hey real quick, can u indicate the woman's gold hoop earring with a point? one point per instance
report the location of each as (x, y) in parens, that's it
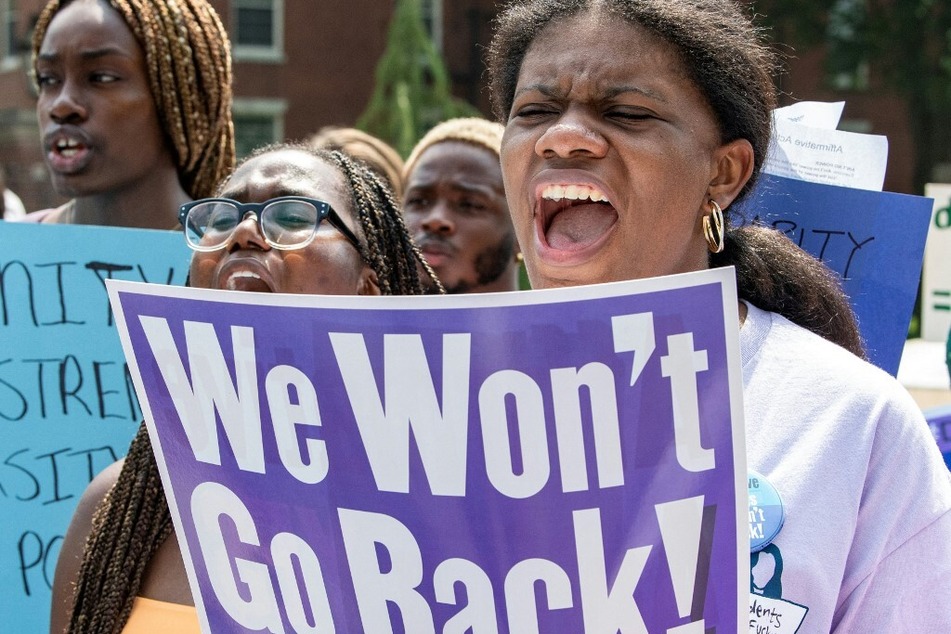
(713, 228)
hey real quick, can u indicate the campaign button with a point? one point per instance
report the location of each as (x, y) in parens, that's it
(766, 511)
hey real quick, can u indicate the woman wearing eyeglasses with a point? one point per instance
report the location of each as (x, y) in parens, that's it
(289, 220)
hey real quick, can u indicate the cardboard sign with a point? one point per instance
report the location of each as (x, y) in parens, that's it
(68, 407)
(873, 240)
(552, 461)
(936, 278)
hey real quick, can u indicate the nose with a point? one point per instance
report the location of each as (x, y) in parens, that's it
(247, 235)
(572, 135)
(67, 104)
(438, 220)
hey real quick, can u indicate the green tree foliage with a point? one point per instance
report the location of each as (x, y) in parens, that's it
(412, 92)
(904, 46)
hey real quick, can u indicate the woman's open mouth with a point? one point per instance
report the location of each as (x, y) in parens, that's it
(573, 217)
(67, 153)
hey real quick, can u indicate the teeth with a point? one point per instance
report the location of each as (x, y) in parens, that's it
(67, 148)
(232, 283)
(573, 192)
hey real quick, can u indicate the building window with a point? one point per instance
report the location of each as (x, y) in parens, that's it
(258, 30)
(9, 41)
(257, 122)
(432, 20)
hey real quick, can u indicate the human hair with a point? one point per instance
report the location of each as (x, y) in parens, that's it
(472, 130)
(389, 249)
(133, 519)
(188, 57)
(730, 63)
(366, 148)
(129, 525)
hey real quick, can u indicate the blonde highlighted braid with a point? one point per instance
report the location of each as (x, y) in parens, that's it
(188, 57)
(133, 520)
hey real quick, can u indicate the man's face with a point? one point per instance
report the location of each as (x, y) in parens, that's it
(456, 211)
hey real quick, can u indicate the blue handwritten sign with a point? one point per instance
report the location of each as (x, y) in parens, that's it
(874, 241)
(67, 404)
(555, 461)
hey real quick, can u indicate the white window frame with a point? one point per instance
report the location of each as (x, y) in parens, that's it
(268, 54)
(8, 11)
(275, 109)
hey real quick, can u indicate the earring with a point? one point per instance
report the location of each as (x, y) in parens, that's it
(713, 228)
(519, 257)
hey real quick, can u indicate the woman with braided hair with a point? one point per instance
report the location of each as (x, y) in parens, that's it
(632, 127)
(134, 108)
(120, 568)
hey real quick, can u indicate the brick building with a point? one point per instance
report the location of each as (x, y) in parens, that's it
(298, 65)
(303, 64)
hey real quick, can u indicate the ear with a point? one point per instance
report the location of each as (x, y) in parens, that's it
(368, 284)
(732, 168)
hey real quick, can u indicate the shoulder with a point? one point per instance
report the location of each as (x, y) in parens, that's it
(792, 358)
(71, 553)
(35, 216)
(45, 216)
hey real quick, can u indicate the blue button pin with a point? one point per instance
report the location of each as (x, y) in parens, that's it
(767, 513)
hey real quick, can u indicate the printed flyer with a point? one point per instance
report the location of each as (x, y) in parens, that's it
(546, 461)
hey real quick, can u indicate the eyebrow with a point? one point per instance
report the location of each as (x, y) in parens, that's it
(91, 54)
(477, 188)
(610, 93)
(238, 194)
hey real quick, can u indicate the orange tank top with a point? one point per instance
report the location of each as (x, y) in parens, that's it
(149, 616)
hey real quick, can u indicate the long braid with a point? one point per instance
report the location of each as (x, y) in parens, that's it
(389, 249)
(130, 524)
(188, 57)
(133, 520)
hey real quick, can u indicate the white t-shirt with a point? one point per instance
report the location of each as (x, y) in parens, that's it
(13, 206)
(866, 544)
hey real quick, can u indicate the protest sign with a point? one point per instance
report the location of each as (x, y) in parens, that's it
(936, 278)
(556, 461)
(67, 405)
(939, 420)
(873, 240)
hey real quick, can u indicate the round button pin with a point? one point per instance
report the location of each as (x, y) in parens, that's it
(766, 511)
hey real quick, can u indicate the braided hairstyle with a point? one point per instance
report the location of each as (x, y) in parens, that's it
(188, 57)
(729, 62)
(388, 250)
(373, 152)
(133, 519)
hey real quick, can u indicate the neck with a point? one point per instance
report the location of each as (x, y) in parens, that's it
(152, 205)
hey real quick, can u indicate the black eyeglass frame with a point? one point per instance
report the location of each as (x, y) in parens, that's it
(324, 212)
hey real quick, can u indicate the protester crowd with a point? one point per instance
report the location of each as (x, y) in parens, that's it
(626, 132)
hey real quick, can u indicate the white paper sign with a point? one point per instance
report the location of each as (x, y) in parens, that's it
(832, 157)
(817, 114)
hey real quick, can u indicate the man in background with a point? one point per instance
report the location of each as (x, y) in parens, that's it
(455, 208)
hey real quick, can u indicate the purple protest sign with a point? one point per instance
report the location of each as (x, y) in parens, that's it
(551, 461)
(939, 420)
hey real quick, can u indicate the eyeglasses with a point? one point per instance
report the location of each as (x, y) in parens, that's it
(288, 222)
